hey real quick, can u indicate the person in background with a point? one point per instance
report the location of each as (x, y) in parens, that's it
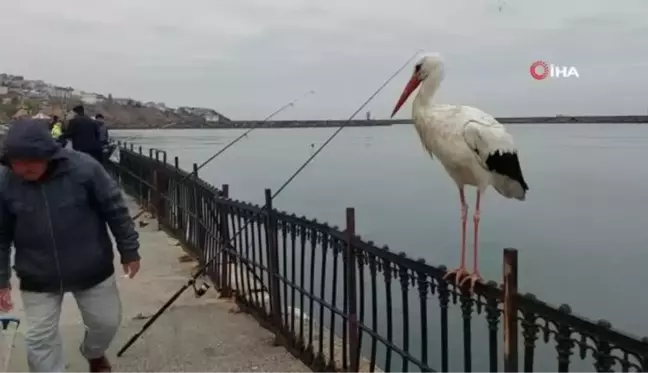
(54, 119)
(55, 207)
(106, 148)
(56, 128)
(103, 130)
(84, 131)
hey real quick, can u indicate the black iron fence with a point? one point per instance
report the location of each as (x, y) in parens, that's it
(343, 303)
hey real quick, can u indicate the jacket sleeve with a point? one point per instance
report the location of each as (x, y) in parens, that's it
(6, 239)
(112, 207)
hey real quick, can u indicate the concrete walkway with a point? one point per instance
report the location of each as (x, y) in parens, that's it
(193, 335)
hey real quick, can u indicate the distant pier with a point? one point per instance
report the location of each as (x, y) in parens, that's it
(390, 122)
(611, 119)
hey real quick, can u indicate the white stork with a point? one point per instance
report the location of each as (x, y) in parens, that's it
(471, 145)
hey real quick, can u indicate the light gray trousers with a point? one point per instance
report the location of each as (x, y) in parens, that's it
(100, 308)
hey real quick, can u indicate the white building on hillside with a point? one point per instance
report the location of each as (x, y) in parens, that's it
(212, 117)
(90, 98)
(58, 92)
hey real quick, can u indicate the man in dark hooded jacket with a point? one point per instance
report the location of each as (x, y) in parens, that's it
(54, 207)
(85, 134)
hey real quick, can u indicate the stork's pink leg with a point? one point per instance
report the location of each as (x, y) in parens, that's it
(475, 276)
(464, 219)
(461, 272)
(476, 242)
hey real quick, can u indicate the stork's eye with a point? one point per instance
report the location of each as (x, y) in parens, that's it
(417, 68)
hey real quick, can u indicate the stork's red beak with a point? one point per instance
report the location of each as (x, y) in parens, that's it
(409, 88)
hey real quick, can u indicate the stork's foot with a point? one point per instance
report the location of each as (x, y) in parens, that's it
(458, 274)
(462, 277)
(473, 278)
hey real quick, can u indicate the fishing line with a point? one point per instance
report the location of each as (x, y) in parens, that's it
(201, 271)
(135, 137)
(284, 107)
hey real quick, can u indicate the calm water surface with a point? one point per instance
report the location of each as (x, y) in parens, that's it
(582, 233)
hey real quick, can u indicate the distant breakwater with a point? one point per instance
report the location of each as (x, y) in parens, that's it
(389, 122)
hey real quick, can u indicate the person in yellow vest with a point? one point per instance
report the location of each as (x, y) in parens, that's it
(56, 128)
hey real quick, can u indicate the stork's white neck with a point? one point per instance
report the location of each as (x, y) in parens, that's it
(426, 92)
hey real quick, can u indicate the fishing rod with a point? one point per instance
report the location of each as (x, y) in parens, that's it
(191, 281)
(131, 138)
(284, 107)
(138, 136)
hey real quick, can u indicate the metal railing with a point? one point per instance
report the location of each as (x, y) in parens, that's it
(343, 303)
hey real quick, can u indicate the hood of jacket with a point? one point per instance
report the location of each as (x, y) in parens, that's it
(29, 139)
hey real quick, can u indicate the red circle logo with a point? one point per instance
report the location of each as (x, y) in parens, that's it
(539, 70)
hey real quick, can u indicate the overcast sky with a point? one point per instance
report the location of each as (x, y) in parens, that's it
(245, 58)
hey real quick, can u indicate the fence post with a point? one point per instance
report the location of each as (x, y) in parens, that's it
(273, 265)
(200, 214)
(155, 203)
(510, 274)
(225, 289)
(162, 187)
(176, 187)
(193, 212)
(140, 186)
(352, 317)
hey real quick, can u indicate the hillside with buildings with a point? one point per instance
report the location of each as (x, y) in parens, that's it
(23, 97)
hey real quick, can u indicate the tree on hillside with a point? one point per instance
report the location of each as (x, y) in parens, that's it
(32, 107)
(6, 111)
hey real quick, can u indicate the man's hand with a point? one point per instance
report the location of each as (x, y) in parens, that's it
(6, 304)
(131, 268)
